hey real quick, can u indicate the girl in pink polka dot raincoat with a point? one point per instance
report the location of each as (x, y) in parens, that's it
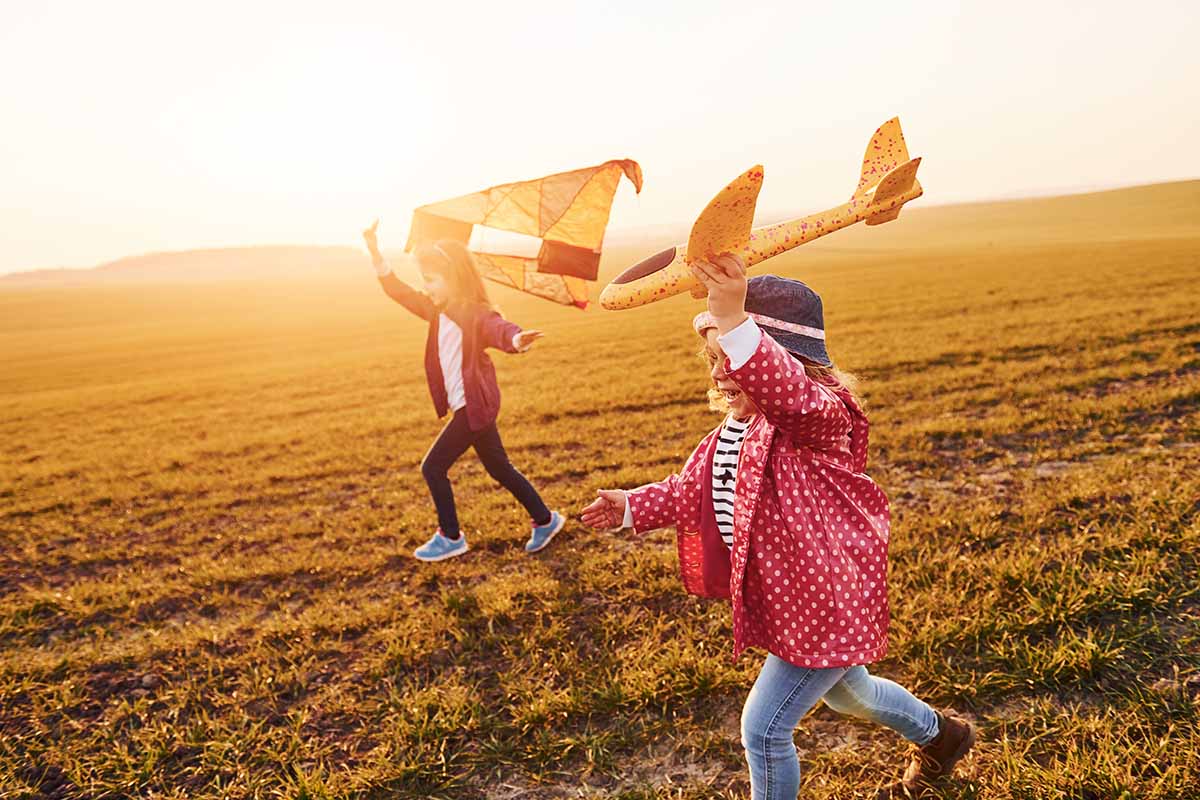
(774, 511)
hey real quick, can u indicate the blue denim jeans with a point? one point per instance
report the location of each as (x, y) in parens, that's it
(784, 693)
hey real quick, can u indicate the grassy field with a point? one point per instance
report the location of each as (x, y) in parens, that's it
(209, 495)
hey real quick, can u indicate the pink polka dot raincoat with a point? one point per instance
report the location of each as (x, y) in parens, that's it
(808, 568)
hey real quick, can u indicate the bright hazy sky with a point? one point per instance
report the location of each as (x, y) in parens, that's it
(130, 127)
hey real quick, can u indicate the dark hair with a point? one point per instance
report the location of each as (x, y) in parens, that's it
(454, 262)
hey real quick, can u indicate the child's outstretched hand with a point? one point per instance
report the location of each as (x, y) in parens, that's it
(371, 239)
(725, 278)
(525, 339)
(606, 512)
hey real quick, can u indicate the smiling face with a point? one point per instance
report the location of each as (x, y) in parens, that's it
(436, 286)
(449, 274)
(740, 405)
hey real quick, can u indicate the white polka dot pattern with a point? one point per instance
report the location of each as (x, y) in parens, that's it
(809, 559)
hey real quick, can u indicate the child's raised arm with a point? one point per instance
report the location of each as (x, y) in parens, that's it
(781, 389)
(395, 288)
(767, 373)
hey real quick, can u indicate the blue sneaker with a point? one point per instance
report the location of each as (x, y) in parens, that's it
(542, 534)
(439, 548)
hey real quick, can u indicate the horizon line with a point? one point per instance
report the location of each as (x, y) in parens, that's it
(1040, 194)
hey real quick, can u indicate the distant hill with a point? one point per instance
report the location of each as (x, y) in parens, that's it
(205, 266)
(1153, 211)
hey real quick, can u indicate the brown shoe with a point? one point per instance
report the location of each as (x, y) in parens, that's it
(933, 762)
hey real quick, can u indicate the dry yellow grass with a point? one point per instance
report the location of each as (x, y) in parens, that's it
(209, 495)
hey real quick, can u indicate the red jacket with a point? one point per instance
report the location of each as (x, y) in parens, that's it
(482, 328)
(808, 568)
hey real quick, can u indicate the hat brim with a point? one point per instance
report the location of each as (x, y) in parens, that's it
(797, 344)
(702, 322)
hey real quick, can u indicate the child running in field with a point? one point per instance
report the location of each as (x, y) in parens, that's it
(773, 511)
(462, 381)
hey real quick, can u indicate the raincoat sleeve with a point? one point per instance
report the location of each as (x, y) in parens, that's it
(782, 391)
(407, 296)
(673, 501)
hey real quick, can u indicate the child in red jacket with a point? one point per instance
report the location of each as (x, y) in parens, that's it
(780, 484)
(462, 380)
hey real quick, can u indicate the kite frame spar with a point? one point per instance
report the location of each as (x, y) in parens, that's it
(568, 211)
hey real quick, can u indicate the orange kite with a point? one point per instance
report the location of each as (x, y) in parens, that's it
(568, 211)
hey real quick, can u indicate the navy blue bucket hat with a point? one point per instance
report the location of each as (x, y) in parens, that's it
(786, 309)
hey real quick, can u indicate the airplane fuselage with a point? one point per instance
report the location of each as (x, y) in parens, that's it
(674, 275)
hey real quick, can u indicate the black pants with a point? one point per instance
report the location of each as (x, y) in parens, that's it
(451, 443)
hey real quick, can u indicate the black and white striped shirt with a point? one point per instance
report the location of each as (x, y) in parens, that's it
(725, 463)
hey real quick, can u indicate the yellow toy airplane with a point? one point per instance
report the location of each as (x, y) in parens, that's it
(887, 182)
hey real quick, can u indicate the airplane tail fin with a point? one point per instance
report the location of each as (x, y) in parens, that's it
(885, 152)
(888, 178)
(897, 188)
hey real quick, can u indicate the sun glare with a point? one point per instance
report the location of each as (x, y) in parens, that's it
(311, 125)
